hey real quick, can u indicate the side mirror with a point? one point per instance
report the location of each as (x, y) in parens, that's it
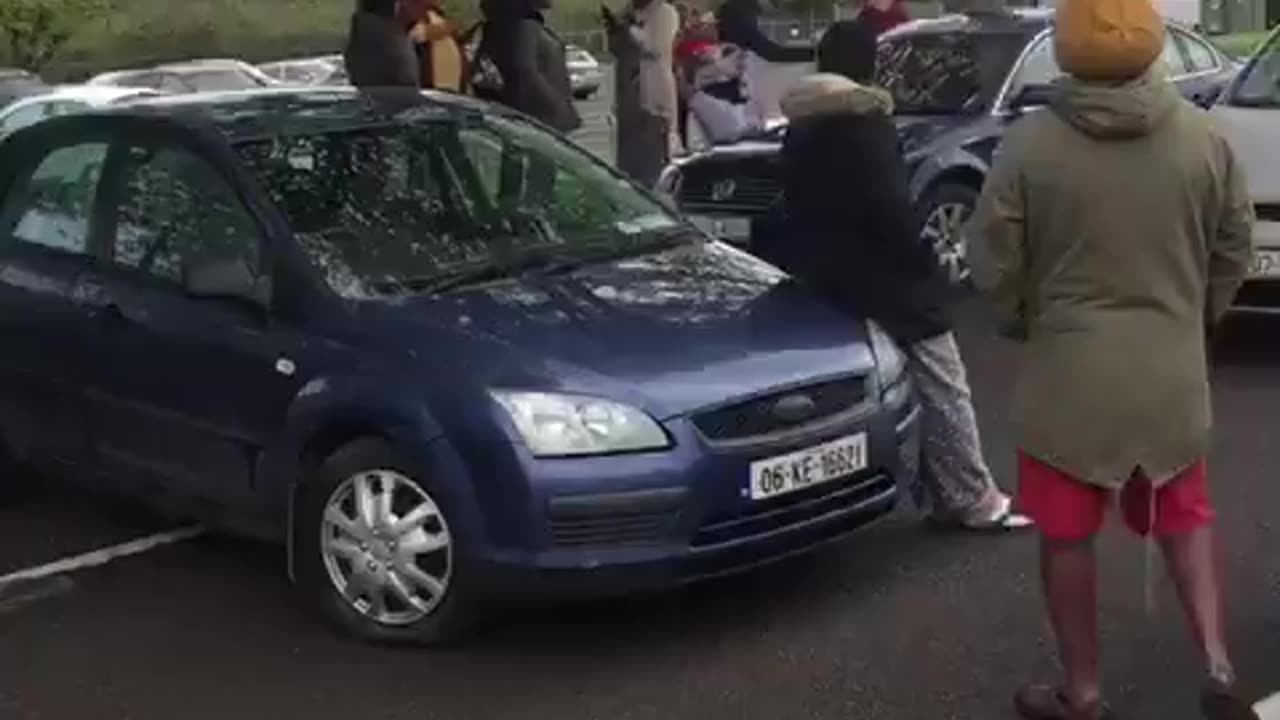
(1031, 95)
(221, 278)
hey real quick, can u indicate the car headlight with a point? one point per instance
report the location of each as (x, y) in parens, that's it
(890, 361)
(557, 425)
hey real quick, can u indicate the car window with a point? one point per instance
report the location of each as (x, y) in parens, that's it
(393, 210)
(1040, 66)
(1259, 83)
(220, 80)
(175, 208)
(1200, 58)
(1174, 61)
(52, 206)
(946, 73)
(19, 118)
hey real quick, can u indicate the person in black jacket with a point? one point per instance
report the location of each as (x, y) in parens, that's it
(379, 53)
(531, 61)
(846, 227)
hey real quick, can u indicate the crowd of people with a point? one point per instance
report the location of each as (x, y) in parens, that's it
(1112, 233)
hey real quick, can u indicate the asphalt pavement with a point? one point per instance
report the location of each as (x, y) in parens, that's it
(898, 623)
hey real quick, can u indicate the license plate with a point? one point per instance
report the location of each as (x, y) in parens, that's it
(796, 471)
(733, 229)
(1266, 264)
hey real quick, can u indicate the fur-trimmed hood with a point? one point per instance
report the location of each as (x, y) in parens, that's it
(830, 94)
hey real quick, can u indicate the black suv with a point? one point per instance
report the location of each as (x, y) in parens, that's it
(958, 81)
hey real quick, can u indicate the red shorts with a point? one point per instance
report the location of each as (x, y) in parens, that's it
(1068, 509)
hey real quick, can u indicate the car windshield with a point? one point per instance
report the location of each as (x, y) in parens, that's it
(946, 73)
(422, 206)
(1259, 84)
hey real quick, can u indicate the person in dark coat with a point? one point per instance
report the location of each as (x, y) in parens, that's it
(846, 228)
(531, 61)
(379, 52)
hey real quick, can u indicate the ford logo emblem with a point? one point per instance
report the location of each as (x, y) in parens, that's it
(723, 190)
(794, 408)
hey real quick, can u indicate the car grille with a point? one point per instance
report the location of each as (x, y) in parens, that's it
(641, 518)
(1269, 212)
(756, 417)
(742, 185)
(809, 504)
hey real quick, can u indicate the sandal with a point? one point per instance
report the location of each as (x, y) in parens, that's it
(1043, 702)
(1006, 520)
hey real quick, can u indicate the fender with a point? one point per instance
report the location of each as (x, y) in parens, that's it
(360, 402)
(935, 166)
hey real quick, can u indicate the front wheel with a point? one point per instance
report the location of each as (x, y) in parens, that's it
(377, 552)
(947, 210)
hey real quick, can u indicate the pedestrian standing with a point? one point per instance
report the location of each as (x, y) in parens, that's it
(530, 61)
(846, 228)
(435, 39)
(642, 40)
(379, 53)
(739, 24)
(1114, 228)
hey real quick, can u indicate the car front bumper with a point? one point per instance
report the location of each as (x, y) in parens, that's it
(1261, 292)
(672, 526)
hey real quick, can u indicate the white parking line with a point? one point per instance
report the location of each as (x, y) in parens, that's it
(98, 557)
(1269, 709)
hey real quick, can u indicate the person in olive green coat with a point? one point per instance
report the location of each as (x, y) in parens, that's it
(1113, 232)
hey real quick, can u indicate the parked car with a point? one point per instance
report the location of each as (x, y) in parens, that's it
(61, 101)
(958, 82)
(584, 72)
(352, 324)
(1249, 112)
(16, 84)
(191, 76)
(326, 70)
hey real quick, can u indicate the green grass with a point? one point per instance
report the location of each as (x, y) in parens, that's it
(1240, 45)
(142, 32)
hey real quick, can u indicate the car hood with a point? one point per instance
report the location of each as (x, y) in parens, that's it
(670, 332)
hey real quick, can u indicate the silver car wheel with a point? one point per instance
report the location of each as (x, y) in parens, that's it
(387, 547)
(943, 231)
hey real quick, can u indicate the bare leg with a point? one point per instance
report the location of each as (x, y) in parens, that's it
(1192, 561)
(1069, 573)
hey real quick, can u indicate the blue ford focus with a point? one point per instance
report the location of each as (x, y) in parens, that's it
(441, 353)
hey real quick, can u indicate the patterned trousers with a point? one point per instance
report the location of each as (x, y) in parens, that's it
(953, 481)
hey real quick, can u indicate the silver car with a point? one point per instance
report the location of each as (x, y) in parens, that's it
(62, 101)
(585, 75)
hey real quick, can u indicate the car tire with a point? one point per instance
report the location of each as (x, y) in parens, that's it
(324, 570)
(946, 208)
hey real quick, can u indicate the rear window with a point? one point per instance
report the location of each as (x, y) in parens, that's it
(946, 73)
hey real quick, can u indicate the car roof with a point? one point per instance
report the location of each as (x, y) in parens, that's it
(248, 115)
(1019, 21)
(92, 94)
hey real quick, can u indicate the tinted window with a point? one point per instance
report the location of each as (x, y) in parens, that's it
(1259, 84)
(18, 118)
(397, 209)
(176, 208)
(52, 206)
(1200, 58)
(931, 73)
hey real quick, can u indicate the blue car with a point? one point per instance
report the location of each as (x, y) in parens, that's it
(442, 353)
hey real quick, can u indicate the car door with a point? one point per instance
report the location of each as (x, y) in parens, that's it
(188, 389)
(1202, 78)
(49, 193)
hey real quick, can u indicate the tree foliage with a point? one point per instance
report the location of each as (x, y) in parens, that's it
(36, 30)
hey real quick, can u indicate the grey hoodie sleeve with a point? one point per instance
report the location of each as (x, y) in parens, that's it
(1231, 248)
(997, 239)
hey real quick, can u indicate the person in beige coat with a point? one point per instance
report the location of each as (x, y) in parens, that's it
(1113, 233)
